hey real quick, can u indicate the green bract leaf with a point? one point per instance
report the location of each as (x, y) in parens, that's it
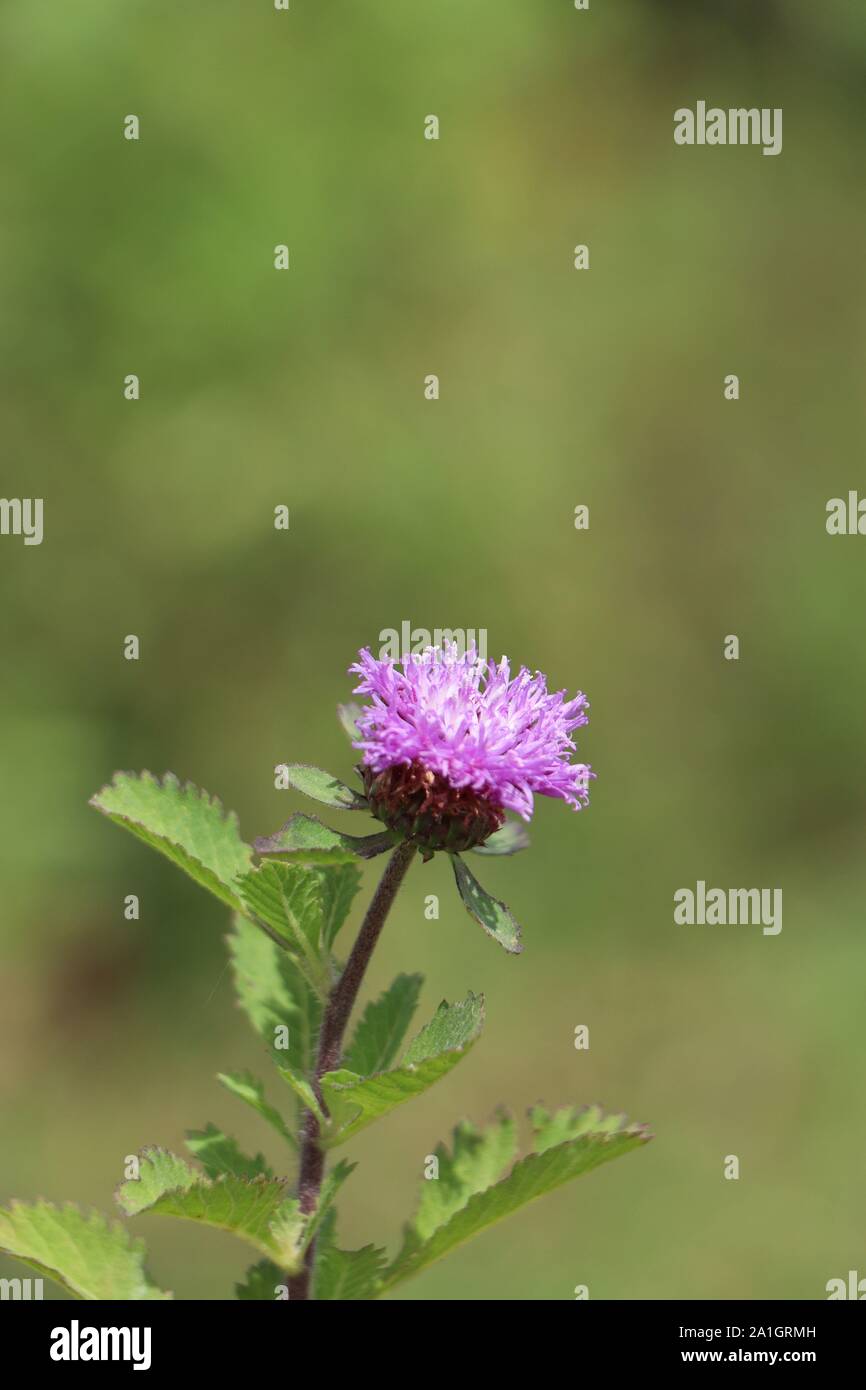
(383, 1026)
(259, 1211)
(248, 1089)
(275, 996)
(489, 912)
(218, 1153)
(321, 786)
(187, 825)
(512, 837)
(353, 1101)
(263, 1282)
(85, 1254)
(468, 1211)
(307, 839)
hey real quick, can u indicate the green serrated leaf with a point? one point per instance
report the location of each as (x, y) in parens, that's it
(257, 1210)
(570, 1123)
(489, 912)
(345, 1275)
(218, 1153)
(305, 838)
(348, 717)
(84, 1253)
(331, 1185)
(338, 884)
(263, 1282)
(287, 898)
(478, 1159)
(185, 824)
(509, 840)
(251, 1091)
(530, 1178)
(275, 996)
(321, 786)
(353, 1101)
(383, 1026)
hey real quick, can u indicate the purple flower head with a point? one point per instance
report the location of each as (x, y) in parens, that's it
(471, 724)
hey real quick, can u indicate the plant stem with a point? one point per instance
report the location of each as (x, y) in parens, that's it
(338, 1009)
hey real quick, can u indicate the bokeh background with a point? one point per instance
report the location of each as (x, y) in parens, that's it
(558, 388)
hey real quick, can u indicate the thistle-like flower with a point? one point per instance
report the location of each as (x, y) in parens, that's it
(450, 743)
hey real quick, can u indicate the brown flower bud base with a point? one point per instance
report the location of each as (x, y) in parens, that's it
(423, 807)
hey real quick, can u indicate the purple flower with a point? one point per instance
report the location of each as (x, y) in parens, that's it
(472, 725)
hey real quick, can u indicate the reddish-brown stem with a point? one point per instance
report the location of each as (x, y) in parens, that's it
(338, 1009)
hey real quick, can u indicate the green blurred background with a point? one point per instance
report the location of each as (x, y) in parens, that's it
(306, 388)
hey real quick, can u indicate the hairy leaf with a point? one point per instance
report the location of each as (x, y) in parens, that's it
(354, 1101)
(489, 912)
(287, 898)
(305, 838)
(383, 1026)
(348, 717)
(258, 1210)
(321, 786)
(251, 1091)
(425, 1241)
(263, 1282)
(185, 824)
(275, 995)
(218, 1153)
(84, 1253)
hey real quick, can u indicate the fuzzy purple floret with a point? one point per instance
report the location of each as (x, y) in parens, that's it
(469, 721)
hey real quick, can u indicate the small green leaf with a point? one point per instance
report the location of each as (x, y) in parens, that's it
(383, 1026)
(345, 1275)
(275, 995)
(479, 1158)
(304, 1091)
(251, 1091)
(258, 1210)
(321, 786)
(489, 912)
(263, 1282)
(338, 885)
(84, 1253)
(307, 839)
(185, 824)
(287, 898)
(348, 717)
(218, 1153)
(541, 1172)
(353, 1101)
(512, 837)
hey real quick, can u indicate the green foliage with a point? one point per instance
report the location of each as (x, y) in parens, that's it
(354, 1101)
(345, 1275)
(86, 1255)
(261, 1282)
(466, 1207)
(305, 838)
(489, 912)
(251, 1091)
(258, 1210)
(321, 786)
(274, 995)
(218, 1153)
(185, 824)
(383, 1026)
